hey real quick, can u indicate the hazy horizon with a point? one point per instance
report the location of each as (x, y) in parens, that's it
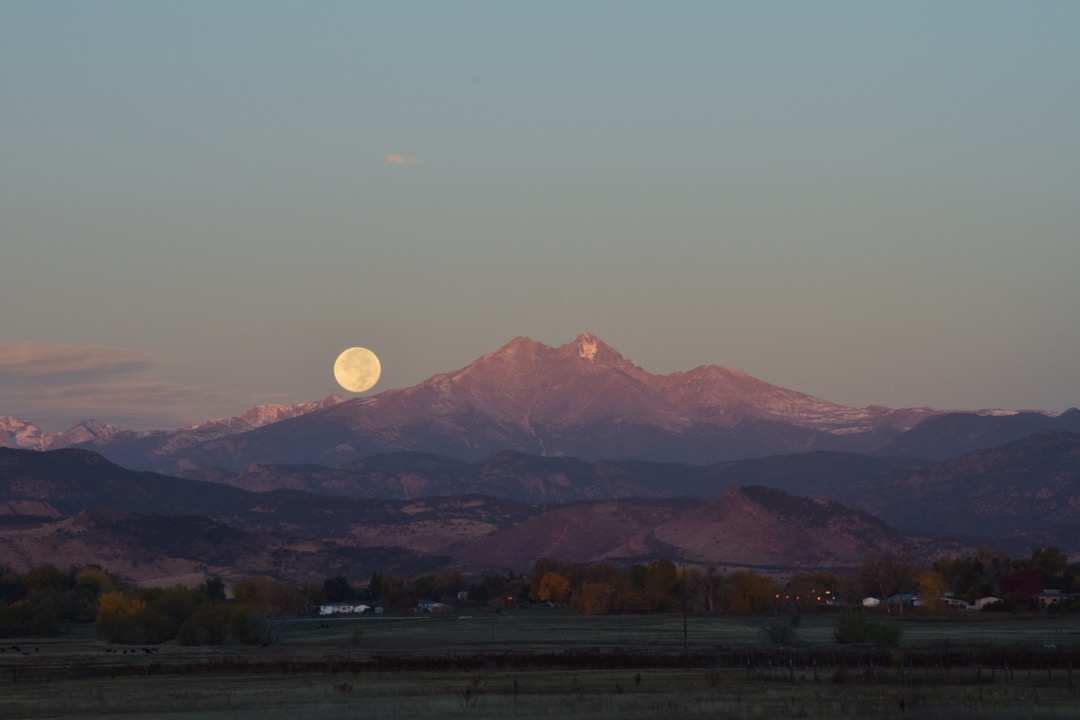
(202, 204)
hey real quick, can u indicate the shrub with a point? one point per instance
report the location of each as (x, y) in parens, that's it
(781, 632)
(27, 619)
(856, 628)
(209, 625)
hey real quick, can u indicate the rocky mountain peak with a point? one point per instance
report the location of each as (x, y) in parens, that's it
(16, 433)
(524, 359)
(84, 432)
(266, 414)
(588, 346)
(592, 350)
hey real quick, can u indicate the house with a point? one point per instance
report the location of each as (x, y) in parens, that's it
(982, 602)
(1051, 597)
(906, 599)
(955, 603)
(431, 606)
(343, 609)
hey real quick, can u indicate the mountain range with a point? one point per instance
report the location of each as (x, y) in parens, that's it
(72, 506)
(532, 450)
(582, 400)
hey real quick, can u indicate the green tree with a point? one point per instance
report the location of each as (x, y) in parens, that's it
(208, 625)
(177, 602)
(269, 603)
(425, 587)
(27, 619)
(1052, 563)
(45, 579)
(375, 589)
(337, 589)
(638, 575)
(214, 589)
(661, 585)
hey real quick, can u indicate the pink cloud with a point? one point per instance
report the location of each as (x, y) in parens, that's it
(57, 386)
(37, 360)
(129, 402)
(397, 159)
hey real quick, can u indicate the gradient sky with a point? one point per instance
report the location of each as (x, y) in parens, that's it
(202, 203)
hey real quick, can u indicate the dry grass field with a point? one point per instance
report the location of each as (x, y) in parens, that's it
(549, 664)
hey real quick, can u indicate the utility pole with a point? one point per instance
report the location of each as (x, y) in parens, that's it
(684, 595)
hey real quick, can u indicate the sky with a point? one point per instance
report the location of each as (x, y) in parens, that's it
(203, 203)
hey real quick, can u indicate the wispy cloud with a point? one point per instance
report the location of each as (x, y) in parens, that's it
(396, 159)
(35, 360)
(57, 386)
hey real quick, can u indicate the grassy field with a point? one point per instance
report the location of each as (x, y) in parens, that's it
(551, 664)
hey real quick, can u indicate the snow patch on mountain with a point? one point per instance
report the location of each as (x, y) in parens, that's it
(587, 347)
(20, 434)
(85, 431)
(266, 414)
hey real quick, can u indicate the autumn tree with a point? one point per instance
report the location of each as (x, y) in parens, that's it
(553, 588)
(747, 591)
(118, 604)
(662, 585)
(267, 602)
(931, 587)
(541, 567)
(118, 618)
(597, 598)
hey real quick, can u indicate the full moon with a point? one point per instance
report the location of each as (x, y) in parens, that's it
(357, 369)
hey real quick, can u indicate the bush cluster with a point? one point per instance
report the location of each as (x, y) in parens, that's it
(857, 629)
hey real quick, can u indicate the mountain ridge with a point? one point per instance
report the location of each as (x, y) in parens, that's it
(581, 399)
(154, 527)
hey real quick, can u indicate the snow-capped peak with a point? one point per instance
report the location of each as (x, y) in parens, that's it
(588, 345)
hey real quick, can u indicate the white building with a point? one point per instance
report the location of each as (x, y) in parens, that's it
(343, 609)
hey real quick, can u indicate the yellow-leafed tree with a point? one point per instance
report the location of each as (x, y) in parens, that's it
(117, 604)
(554, 588)
(932, 588)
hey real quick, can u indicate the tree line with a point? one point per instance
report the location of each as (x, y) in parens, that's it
(46, 601)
